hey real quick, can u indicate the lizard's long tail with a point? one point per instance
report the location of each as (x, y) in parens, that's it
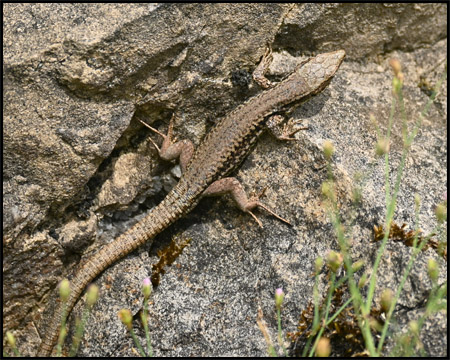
(164, 214)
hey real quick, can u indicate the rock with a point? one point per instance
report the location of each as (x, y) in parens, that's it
(79, 169)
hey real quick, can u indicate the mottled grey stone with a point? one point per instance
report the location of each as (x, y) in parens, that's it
(78, 168)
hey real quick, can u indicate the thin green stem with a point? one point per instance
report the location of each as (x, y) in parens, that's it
(138, 344)
(316, 318)
(147, 332)
(62, 331)
(327, 311)
(280, 333)
(79, 332)
(391, 204)
(336, 314)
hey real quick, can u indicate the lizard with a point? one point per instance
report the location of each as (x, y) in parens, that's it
(205, 169)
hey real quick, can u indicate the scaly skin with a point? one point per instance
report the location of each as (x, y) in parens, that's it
(222, 150)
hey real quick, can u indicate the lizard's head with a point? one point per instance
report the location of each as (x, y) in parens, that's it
(319, 70)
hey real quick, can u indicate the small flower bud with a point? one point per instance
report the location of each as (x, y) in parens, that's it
(433, 270)
(126, 317)
(414, 327)
(417, 200)
(92, 295)
(327, 189)
(405, 340)
(64, 290)
(357, 265)
(358, 177)
(11, 339)
(146, 288)
(323, 348)
(362, 281)
(328, 149)
(396, 66)
(375, 325)
(441, 213)
(382, 147)
(334, 260)
(397, 82)
(318, 264)
(279, 297)
(386, 300)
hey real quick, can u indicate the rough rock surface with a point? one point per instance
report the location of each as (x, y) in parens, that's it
(78, 168)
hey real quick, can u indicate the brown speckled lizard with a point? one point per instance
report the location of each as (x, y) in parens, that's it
(204, 171)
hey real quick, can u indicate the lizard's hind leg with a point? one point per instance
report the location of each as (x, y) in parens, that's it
(172, 150)
(233, 187)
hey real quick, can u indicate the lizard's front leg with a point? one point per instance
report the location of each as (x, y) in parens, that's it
(183, 149)
(232, 186)
(286, 132)
(262, 68)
